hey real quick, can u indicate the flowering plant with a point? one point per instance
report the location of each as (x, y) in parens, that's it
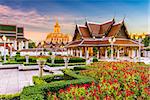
(114, 80)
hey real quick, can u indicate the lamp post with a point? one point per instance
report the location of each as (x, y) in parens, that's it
(139, 38)
(10, 45)
(112, 40)
(66, 60)
(4, 39)
(36, 45)
(42, 43)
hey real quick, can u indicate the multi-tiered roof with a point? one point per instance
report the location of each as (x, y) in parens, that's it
(98, 34)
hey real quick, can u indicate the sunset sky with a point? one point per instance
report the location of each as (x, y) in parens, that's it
(38, 16)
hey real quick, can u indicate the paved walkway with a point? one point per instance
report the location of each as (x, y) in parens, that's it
(12, 80)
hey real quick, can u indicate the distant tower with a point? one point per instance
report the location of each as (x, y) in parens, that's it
(57, 27)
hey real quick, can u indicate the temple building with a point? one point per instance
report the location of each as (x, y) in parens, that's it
(56, 39)
(103, 40)
(14, 37)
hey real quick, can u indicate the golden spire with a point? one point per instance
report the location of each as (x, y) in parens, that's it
(57, 27)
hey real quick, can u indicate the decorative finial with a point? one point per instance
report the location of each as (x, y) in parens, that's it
(114, 15)
(124, 18)
(85, 19)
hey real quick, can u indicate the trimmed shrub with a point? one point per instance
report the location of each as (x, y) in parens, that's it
(95, 59)
(37, 80)
(38, 92)
(28, 64)
(80, 68)
(11, 62)
(45, 79)
(23, 59)
(10, 97)
(59, 60)
(76, 60)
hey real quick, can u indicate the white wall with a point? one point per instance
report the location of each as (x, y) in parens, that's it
(2, 50)
(32, 53)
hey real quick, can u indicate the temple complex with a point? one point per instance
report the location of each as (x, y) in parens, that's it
(56, 39)
(103, 40)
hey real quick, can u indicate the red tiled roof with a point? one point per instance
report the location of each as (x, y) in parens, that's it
(98, 29)
(105, 42)
(85, 32)
(114, 30)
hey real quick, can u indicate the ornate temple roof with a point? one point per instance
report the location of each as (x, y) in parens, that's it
(96, 34)
(56, 36)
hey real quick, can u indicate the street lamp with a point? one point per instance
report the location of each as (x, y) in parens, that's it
(139, 38)
(4, 39)
(112, 40)
(36, 45)
(42, 44)
(10, 45)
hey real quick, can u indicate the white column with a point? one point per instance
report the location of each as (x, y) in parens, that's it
(77, 52)
(106, 53)
(19, 46)
(4, 51)
(137, 53)
(87, 54)
(72, 52)
(15, 45)
(22, 45)
(80, 52)
(98, 53)
(26, 45)
(118, 54)
(112, 55)
(68, 51)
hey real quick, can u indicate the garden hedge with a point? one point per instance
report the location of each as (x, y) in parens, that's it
(72, 60)
(10, 97)
(62, 64)
(23, 59)
(80, 68)
(38, 91)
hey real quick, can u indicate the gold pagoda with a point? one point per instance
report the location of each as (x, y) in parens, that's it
(57, 37)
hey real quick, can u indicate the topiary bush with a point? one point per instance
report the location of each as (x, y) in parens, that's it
(39, 91)
(95, 59)
(76, 60)
(10, 97)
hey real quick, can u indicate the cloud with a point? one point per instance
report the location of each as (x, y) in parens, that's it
(35, 23)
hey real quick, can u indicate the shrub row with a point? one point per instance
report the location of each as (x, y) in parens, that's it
(45, 79)
(69, 64)
(10, 97)
(39, 91)
(95, 59)
(23, 59)
(80, 68)
(11, 62)
(30, 63)
(72, 60)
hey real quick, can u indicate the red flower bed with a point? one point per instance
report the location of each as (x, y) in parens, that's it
(115, 80)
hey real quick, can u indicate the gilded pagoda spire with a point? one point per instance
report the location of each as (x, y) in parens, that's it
(56, 27)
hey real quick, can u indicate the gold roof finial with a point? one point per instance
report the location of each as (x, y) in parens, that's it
(56, 26)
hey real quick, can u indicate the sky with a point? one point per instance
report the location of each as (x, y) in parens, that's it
(38, 16)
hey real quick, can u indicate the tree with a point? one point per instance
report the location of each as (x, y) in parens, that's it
(146, 41)
(32, 45)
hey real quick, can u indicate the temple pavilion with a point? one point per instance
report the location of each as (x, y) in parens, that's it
(55, 40)
(103, 40)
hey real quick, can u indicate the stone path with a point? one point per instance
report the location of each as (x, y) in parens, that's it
(12, 80)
